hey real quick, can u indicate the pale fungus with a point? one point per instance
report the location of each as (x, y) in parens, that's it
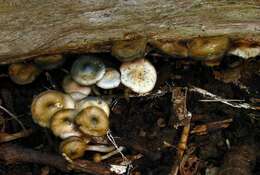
(98, 157)
(92, 121)
(49, 61)
(110, 80)
(23, 73)
(139, 75)
(87, 70)
(47, 103)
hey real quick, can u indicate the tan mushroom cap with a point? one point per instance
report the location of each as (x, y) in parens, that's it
(62, 123)
(93, 101)
(139, 75)
(76, 90)
(48, 62)
(47, 103)
(92, 121)
(110, 80)
(73, 147)
(23, 73)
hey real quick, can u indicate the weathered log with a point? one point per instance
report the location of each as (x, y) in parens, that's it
(37, 27)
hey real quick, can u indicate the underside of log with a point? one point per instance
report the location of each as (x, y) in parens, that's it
(37, 27)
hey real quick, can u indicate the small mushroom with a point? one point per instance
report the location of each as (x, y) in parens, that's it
(92, 121)
(110, 80)
(77, 91)
(47, 103)
(208, 48)
(139, 75)
(98, 157)
(49, 61)
(23, 73)
(87, 70)
(75, 147)
(129, 50)
(62, 124)
(93, 101)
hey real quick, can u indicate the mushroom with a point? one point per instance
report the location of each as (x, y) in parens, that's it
(87, 70)
(129, 50)
(208, 48)
(139, 75)
(93, 101)
(98, 157)
(110, 80)
(49, 62)
(23, 73)
(92, 121)
(75, 147)
(77, 91)
(62, 124)
(47, 103)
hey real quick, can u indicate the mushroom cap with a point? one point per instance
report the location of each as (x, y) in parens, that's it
(87, 70)
(23, 73)
(73, 147)
(139, 75)
(110, 80)
(47, 103)
(62, 123)
(208, 48)
(76, 90)
(49, 61)
(129, 50)
(92, 121)
(93, 101)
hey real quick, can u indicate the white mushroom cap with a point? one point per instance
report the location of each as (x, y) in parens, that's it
(87, 70)
(110, 80)
(76, 90)
(93, 101)
(139, 75)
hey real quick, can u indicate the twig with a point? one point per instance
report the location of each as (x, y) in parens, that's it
(5, 137)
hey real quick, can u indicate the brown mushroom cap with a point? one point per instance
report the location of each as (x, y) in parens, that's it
(23, 73)
(139, 75)
(92, 121)
(49, 61)
(73, 147)
(62, 123)
(47, 103)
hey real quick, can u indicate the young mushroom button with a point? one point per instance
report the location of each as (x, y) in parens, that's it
(87, 70)
(139, 75)
(110, 80)
(47, 103)
(49, 62)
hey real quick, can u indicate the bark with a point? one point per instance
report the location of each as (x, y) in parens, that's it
(36, 27)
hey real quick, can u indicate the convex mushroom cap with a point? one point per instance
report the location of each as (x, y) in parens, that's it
(49, 61)
(93, 101)
(129, 50)
(92, 121)
(76, 90)
(87, 70)
(110, 80)
(62, 123)
(23, 73)
(47, 103)
(139, 75)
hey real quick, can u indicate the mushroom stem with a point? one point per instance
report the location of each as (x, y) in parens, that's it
(100, 148)
(98, 157)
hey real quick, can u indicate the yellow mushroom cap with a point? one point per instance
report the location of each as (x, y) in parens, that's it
(47, 103)
(49, 61)
(62, 123)
(139, 75)
(129, 50)
(208, 48)
(23, 73)
(93, 101)
(76, 90)
(73, 147)
(92, 121)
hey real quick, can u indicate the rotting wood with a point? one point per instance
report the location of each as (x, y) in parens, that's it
(37, 27)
